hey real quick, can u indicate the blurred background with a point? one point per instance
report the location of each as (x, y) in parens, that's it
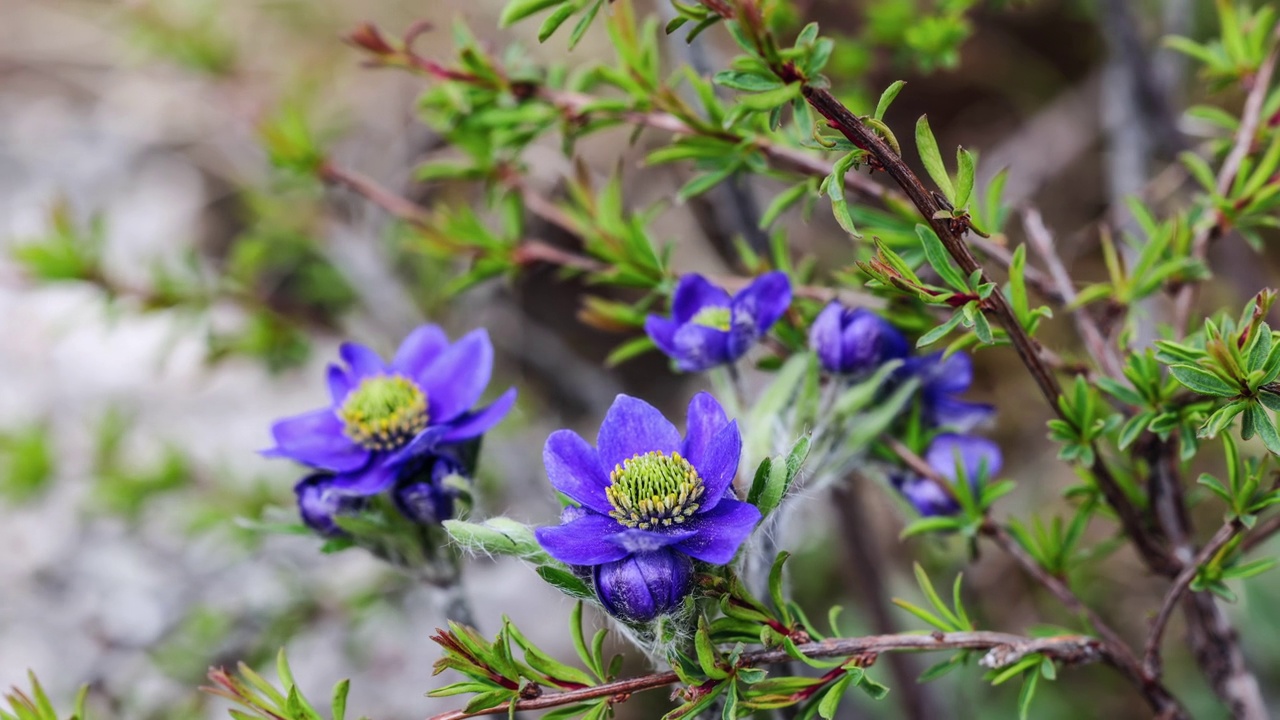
(164, 296)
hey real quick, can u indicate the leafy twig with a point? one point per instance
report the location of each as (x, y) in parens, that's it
(1003, 649)
(1250, 119)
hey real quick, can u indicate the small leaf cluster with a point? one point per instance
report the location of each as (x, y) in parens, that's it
(258, 698)
(1236, 364)
(1084, 421)
(714, 676)
(1161, 260)
(975, 496)
(496, 675)
(1250, 487)
(1239, 47)
(19, 705)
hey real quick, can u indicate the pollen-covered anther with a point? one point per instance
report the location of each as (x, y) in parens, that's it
(653, 490)
(716, 317)
(384, 412)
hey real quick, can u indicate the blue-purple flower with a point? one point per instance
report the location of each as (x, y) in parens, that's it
(707, 327)
(423, 493)
(854, 341)
(942, 381)
(947, 455)
(649, 502)
(319, 503)
(382, 415)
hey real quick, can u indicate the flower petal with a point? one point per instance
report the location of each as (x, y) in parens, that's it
(363, 361)
(472, 424)
(631, 427)
(375, 478)
(316, 439)
(720, 532)
(574, 468)
(454, 380)
(952, 375)
(663, 333)
(635, 540)
(719, 465)
(694, 293)
(705, 419)
(339, 383)
(968, 451)
(582, 542)
(825, 337)
(762, 302)
(959, 415)
(419, 348)
(698, 347)
(422, 443)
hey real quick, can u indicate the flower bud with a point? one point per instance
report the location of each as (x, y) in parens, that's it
(854, 341)
(319, 502)
(423, 493)
(643, 586)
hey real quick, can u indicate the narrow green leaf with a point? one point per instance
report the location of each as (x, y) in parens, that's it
(927, 146)
(965, 171)
(887, 97)
(518, 10)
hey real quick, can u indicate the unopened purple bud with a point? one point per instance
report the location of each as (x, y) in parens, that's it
(643, 586)
(854, 341)
(422, 495)
(319, 502)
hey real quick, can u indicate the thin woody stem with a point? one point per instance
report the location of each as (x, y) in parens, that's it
(1003, 649)
(1151, 654)
(1250, 120)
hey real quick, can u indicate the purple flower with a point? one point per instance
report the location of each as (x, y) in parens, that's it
(384, 414)
(854, 341)
(941, 381)
(709, 328)
(421, 493)
(947, 454)
(650, 502)
(319, 503)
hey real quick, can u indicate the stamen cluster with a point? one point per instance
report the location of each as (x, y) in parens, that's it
(654, 489)
(384, 412)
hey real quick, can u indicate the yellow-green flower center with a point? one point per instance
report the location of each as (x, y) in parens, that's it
(720, 318)
(384, 412)
(654, 490)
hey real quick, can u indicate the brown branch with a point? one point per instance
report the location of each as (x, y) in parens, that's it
(1260, 533)
(841, 118)
(1039, 237)
(1250, 120)
(1003, 649)
(1151, 655)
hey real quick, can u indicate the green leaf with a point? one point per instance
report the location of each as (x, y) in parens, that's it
(965, 171)
(340, 699)
(831, 699)
(1027, 694)
(770, 99)
(518, 10)
(566, 582)
(1202, 381)
(939, 259)
(887, 97)
(1264, 426)
(782, 201)
(927, 146)
(747, 81)
(555, 20)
